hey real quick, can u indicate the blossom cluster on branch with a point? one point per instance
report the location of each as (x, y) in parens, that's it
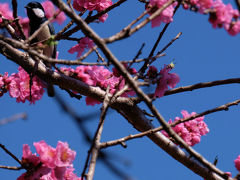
(99, 76)
(56, 163)
(99, 5)
(220, 14)
(51, 164)
(190, 131)
(21, 86)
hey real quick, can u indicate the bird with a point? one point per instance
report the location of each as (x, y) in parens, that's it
(37, 17)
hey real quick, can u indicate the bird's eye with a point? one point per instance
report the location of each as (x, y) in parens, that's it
(38, 12)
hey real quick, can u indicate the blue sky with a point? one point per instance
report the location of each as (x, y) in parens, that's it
(201, 54)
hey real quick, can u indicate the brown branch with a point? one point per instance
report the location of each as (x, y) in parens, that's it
(150, 61)
(203, 85)
(10, 167)
(98, 41)
(13, 118)
(59, 35)
(20, 45)
(123, 105)
(92, 18)
(15, 15)
(94, 150)
(10, 154)
(193, 87)
(224, 107)
(147, 63)
(157, 138)
(133, 114)
(126, 32)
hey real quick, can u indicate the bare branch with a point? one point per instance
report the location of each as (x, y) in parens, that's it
(126, 32)
(10, 154)
(151, 131)
(13, 118)
(11, 167)
(94, 150)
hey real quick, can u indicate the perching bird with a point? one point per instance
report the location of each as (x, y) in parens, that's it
(37, 17)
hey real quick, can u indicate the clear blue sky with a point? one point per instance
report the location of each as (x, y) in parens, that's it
(201, 54)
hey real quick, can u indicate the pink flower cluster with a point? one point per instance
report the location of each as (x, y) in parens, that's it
(18, 85)
(84, 43)
(98, 5)
(190, 131)
(165, 16)
(202, 5)
(50, 10)
(5, 11)
(98, 76)
(237, 163)
(221, 15)
(51, 164)
(164, 79)
(4, 82)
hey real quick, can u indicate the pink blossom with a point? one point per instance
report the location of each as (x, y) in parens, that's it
(29, 157)
(152, 72)
(51, 164)
(19, 87)
(91, 5)
(69, 175)
(166, 79)
(91, 101)
(47, 154)
(4, 80)
(31, 161)
(234, 28)
(99, 76)
(50, 10)
(83, 75)
(165, 16)
(84, 43)
(98, 5)
(190, 131)
(223, 14)
(5, 11)
(201, 4)
(237, 163)
(64, 155)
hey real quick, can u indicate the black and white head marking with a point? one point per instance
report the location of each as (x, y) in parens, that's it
(38, 12)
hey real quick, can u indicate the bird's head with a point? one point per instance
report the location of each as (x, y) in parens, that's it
(35, 11)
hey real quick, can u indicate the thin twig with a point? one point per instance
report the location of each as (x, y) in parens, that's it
(10, 154)
(15, 15)
(151, 131)
(92, 18)
(99, 14)
(94, 150)
(193, 87)
(126, 32)
(13, 118)
(146, 64)
(58, 36)
(10, 167)
(238, 4)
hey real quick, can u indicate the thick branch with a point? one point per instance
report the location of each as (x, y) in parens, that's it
(132, 113)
